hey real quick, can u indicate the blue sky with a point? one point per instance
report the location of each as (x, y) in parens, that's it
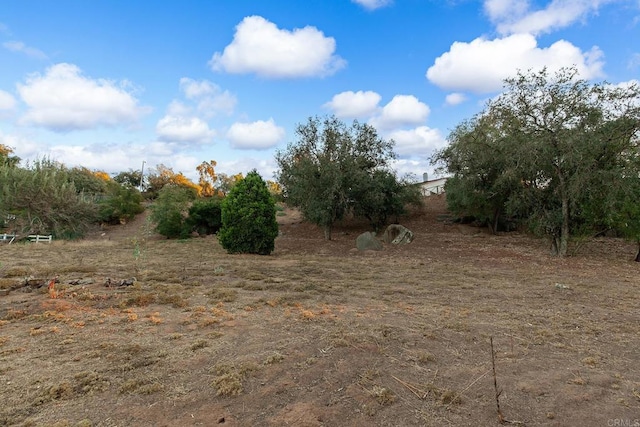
(112, 84)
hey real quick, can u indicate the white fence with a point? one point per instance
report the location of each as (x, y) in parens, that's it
(37, 238)
(7, 237)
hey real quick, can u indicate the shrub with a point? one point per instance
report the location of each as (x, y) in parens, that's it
(120, 203)
(43, 199)
(205, 216)
(169, 211)
(249, 218)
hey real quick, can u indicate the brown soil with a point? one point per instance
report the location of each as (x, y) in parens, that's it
(319, 334)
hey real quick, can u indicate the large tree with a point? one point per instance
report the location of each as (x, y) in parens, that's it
(562, 144)
(320, 172)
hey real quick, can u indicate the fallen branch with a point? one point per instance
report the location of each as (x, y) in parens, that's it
(467, 388)
(420, 394)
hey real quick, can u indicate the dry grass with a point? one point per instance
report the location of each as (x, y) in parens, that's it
(318, 331)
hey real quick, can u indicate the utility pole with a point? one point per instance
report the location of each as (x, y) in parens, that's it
(142, 176)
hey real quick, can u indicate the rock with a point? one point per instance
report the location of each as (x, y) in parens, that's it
(368, 242)
(397, 234)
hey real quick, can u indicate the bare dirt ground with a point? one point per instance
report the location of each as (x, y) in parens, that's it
(319, 334)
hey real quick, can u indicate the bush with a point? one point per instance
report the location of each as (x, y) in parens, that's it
(120, 203)
(43, 199)
(205, 216)
(170, 209)
(249, 218)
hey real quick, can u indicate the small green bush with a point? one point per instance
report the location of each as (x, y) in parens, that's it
(205, 216)
(249, 218)
(169, 212)
(120, 203)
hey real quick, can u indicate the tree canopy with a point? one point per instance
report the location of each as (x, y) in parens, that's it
(333, 169)
(554, 152)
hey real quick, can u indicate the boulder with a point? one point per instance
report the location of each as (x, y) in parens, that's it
(368, 242)
(397, 234)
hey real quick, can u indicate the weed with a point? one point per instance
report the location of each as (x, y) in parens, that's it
(199, 344)
(274, 358)
(383, 395)
(425, 357)
(228, 380)
(223, 294)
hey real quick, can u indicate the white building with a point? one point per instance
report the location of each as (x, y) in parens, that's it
(434, 186)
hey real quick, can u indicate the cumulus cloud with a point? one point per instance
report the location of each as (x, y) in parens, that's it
(516, 16)
(402, 110)
(354, 105)
(482, 65)
(372, 4)
(7, 101)
(417, 142)
(32, 52)
(258, 135)
(63, 100)
(260, 47)
(184, 129)
(455, 98)
(208, 96)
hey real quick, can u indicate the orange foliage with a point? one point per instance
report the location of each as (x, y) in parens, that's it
(274, 188)
(102, 175)
(5, 150)
(207, 178)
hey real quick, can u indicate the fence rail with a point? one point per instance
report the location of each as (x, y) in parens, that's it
(7, 238)
(37, 238)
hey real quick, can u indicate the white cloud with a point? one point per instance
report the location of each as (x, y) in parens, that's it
(260, 47)
(418, 142)
(22, 146)
(634, 61)
(482, 65)
(209, 97)
(63, 100)
(354, 104)
(500, 10)
(7, 101)
(184, 129)
(372, 4)
(265, 167)
(402, 110)
(515, 16)
(455, 98)
(258, 135)
(16, 46)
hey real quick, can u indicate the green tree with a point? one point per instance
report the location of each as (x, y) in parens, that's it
(169, 211)
(564, 133)
(249, 218)
(321, 170)
(483, 175)
(380, 196)
(131, 178)
(559, 146)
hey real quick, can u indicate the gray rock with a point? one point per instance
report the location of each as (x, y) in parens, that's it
(397, 234)
(368, 242)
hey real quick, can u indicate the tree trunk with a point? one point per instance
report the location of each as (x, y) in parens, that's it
(563, 244)
(554, 245)
(327, 232)
(494, 222)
